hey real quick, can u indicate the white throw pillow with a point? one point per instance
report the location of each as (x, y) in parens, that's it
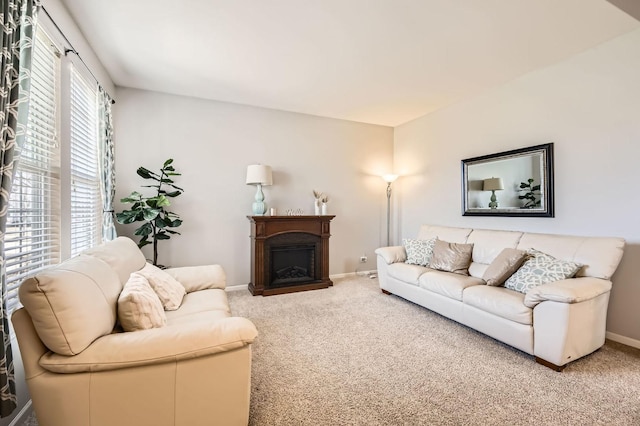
(419, 252)
(168, 289)
(540, 268)
(139, 307)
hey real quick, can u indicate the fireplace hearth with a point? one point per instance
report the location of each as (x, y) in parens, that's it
(289, 253)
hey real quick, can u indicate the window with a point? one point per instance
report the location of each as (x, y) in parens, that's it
(86, 201)
(55, 206)
(32, 240)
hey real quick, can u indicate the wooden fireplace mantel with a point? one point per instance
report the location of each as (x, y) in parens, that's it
(264, 228)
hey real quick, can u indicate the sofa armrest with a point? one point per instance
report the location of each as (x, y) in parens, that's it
(572, 290)
(392, 254)
(195, 278)
(156, 346)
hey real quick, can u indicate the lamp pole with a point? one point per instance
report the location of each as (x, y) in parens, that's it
(389, 179)
(388, 213)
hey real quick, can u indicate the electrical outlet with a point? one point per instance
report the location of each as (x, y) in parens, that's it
(363, 258)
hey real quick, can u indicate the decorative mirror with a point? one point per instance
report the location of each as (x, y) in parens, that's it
(516, 183)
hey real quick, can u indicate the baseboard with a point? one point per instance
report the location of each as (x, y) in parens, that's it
(353, 274)
(237, 287)
(623, 339)
(22, 416)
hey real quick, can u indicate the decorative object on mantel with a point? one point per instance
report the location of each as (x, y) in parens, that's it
(533, 191)
(493, 184)
(259, 174)
(389, 178)
(321, 202)
(153, 210)
(294, 212)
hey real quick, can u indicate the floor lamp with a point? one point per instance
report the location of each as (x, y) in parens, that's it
(389, 179)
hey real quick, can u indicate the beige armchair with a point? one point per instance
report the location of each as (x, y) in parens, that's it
(81, 370)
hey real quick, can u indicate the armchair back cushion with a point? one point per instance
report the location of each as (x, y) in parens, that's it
(87, 286)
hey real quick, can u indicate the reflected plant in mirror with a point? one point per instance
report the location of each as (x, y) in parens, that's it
(523, 176)
(533, 191)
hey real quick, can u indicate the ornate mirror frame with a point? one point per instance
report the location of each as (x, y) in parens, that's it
(517, 183)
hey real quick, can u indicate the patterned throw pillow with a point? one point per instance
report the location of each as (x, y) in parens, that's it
(168, 289)
(139, 307)
(540, 268)
(451, 257)
(419, 252)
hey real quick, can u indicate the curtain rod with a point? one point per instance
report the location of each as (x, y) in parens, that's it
(71, 49)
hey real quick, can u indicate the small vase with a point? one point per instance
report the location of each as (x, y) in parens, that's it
(317, 207)
(324, 209)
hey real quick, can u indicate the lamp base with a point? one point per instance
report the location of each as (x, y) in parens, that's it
(494, 201)
(259, 207)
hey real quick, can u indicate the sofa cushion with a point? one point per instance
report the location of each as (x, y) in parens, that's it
(194, 304)
(139, 307)
(451, 257)
(505, 303)
(73, 303)
(506, 264)
(539, 269)
(122, 254)
(406, 272)
(419, 252)
(487, 244)
(168, 289)
(448, 284)
(599, 255)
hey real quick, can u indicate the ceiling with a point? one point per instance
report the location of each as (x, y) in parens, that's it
(375, 61)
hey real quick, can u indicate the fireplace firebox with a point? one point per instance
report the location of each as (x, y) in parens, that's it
(289, 253)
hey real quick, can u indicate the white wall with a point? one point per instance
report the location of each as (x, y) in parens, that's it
(589, 105)
(213, 142)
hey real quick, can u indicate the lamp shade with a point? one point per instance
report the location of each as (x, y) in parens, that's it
(259, 174)
(492, 184)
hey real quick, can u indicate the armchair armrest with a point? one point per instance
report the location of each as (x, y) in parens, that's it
(572, 290)
(155, 346)
(195, 278)
(392, 254)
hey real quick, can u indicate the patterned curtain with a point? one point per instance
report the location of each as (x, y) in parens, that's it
(18, 27)
(107, 166)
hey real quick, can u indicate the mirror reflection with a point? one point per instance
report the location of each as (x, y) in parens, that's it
(512, 183)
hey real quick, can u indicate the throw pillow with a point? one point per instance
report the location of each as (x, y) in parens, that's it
(168, 289)
(503, 266)
(419, 252)
(540, 268)
(139, 307)
(451, 257)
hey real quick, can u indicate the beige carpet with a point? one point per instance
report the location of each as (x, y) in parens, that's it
(349, 355)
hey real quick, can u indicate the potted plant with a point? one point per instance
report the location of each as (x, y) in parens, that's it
(153, 211)
(533, 191)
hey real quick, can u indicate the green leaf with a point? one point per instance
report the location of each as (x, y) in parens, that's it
(166, 163)
(145, 173)
(144, 230)
(150, 214)
(143, 243)
(176, 223)
(536, 188)
(162, 236)
(173, 193)
(127, 216)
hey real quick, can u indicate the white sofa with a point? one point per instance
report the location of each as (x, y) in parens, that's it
(82, 369)
(557, 322)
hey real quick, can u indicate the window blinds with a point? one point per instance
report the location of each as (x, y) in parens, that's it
(86, 201)
(33, 220)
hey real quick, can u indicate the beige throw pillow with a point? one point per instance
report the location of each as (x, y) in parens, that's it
(451, 257)
(503, 266)
(168, 289)
(139, 307)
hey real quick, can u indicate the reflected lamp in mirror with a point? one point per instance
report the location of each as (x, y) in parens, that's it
(526, 176)
(493, 184)
(259, 174)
